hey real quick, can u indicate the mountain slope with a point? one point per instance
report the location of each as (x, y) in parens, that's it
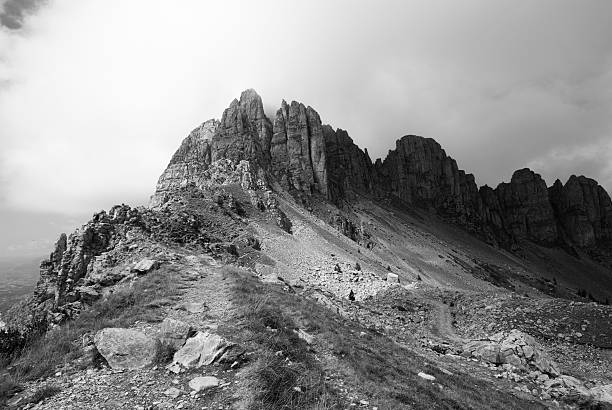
(341, 281)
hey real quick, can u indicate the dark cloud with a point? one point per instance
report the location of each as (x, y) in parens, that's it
(14, 12)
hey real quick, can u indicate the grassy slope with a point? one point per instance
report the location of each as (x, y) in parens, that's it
(42, 354)
(371, 366)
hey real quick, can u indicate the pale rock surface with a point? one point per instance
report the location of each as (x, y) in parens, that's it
(203, 383)
(202, 349)
(126, 348)
(145, 266)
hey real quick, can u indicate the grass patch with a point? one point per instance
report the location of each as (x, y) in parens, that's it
(41, 354)
(286, 373)
(44, 393)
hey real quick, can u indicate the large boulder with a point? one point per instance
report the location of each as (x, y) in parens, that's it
(126, 348)
(514, 347)
(200, 350)
(602, 393)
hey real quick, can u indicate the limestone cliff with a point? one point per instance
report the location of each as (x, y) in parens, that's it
(309, 159)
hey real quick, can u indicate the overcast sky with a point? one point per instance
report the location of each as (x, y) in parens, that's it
(95, 96)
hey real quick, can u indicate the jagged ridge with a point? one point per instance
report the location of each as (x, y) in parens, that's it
(308, 158)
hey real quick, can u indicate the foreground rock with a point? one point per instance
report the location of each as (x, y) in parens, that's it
(201, 350)
(516, 348)
(126, 348)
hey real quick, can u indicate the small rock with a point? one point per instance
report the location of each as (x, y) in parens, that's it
(145, 266)
(426, 376)
(203, 383)
(308, 338)
(173, 392)
(194, 307)
(392, 277)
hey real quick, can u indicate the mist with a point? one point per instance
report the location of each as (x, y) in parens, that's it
(95, 96)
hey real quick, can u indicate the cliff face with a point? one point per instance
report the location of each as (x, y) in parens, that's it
(584, 210)
(308, 158)
(419, 172)
(526, 209)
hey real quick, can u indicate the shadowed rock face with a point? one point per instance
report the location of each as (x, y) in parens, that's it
(244, 132)
(583, 209)
(418, 171)
(306, 158)
(526, 207)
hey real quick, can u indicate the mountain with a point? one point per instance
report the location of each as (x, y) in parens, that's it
(321, 278)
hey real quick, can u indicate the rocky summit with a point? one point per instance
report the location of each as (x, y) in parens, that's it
(278, 266)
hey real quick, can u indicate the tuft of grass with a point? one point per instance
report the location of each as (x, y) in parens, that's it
(165, 353)
(44, 393)
(9, 385)
(286, 373)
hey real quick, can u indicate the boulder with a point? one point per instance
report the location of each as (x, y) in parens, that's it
(174, 333)
(602, 393)
(202, 349)
(203, 383)
(392, 277)
(145, 266)
(515, 348)
(126, 348)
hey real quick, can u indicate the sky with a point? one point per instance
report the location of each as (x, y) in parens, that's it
(96, 95)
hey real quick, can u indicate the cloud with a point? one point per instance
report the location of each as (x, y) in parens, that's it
(95, 96)
(15, 11)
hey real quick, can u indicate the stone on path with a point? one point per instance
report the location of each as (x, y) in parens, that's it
(194, 307)
(126, 348)
(203, 382)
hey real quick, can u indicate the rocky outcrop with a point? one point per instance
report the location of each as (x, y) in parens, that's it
(514, 347)
(191, 160)
(299, 154)
(76, 256)
(419, 172)
(244, 132)
(349, 169)
(526, 209)
(583, 209)
(297, 149)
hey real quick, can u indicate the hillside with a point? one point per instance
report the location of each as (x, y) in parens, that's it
(278, 266)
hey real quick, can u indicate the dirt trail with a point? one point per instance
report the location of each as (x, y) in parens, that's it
(442, 325)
